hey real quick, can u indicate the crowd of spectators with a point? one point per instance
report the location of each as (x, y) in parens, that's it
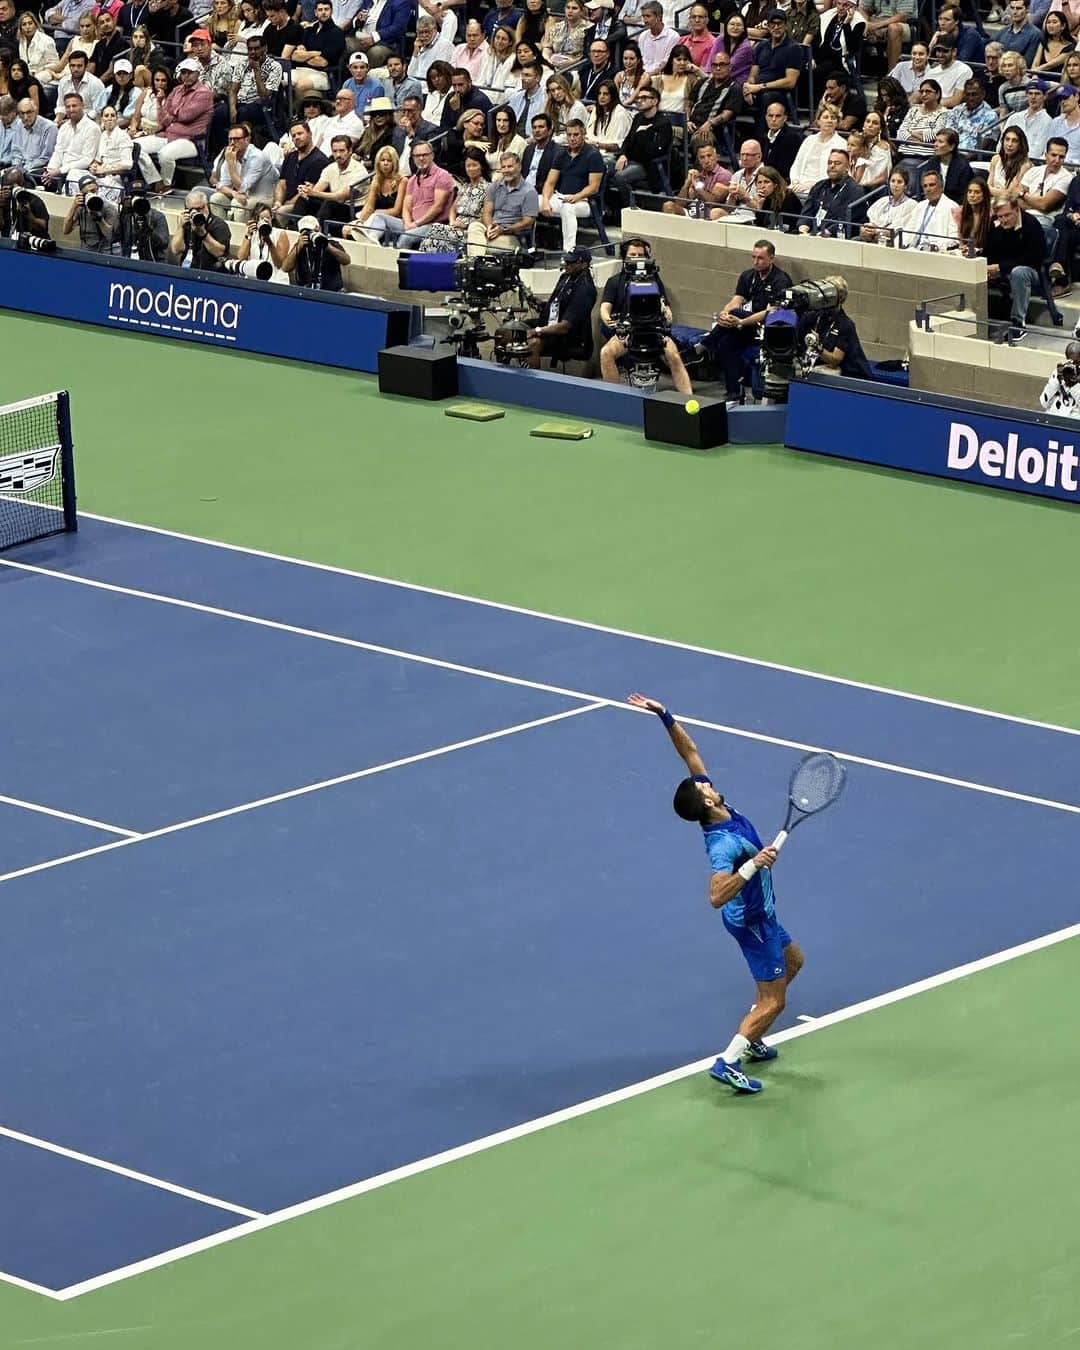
(489, 124)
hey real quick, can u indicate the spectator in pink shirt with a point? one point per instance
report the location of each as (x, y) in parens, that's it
(185, 116)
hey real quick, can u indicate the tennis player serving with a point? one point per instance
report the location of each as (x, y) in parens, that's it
(741, 889)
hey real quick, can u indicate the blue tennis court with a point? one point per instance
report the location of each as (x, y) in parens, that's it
(309, 876)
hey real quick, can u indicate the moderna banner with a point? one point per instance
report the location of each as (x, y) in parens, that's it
(935, 435)
(186, 306)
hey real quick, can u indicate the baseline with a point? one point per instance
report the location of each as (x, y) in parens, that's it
(556, 1118)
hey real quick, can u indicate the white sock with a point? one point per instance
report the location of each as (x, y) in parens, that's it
(735, 1049)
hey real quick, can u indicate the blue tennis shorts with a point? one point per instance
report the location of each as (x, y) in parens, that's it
(763, 946)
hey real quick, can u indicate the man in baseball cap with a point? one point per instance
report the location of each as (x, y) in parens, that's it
(777, 64)
(361, 83)
(564, 330)
(96, 220)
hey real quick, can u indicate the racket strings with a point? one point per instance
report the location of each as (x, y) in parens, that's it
(817, 782)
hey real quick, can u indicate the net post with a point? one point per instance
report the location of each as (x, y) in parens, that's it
(67, 459)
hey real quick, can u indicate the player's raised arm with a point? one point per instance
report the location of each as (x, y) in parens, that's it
(680, 737)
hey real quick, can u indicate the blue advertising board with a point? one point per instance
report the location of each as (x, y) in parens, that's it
(936, 435)
(186, 306)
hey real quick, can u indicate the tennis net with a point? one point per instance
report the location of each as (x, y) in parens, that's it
(37, 471)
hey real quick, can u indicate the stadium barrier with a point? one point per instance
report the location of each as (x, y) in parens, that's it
(935, 435)
(224, 311)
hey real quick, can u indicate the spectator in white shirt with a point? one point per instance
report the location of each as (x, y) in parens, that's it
(888, 213)
(1034, 121)
(114, 155)
(76, 145)
(813, 155)
(910, 73)
(344, 122)
(1043, 187)
(430, 46)
(950, 73)
(932, 223)
(78, 80)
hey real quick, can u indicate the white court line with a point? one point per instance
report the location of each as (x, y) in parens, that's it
(67, 815)
(591, 627)
(5, 1278)
(555, 1118)
(105, 1166)
(305, 790)
(458, 668)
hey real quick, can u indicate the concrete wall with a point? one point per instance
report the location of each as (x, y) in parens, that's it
(955, 358)
(372, 271)
(700, 261)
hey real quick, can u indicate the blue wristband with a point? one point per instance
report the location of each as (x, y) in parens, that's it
(667, 719)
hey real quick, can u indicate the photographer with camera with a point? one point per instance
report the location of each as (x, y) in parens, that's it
(315, 260)
(144, 231)
(97, 221)
(827, 337)
(200, 240)
(1061, 394)
(564, 329)
(263, 243)
(21, 211)
(626, 329)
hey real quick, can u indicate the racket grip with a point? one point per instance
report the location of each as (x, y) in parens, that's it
(778, 842)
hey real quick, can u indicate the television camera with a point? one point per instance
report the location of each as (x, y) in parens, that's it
(483, 281)
(783, 356)
(642, 325)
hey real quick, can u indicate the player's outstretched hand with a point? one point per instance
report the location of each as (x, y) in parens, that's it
(766, 857)
(649, 704)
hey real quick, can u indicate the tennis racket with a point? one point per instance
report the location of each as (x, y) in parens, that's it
(816, 782)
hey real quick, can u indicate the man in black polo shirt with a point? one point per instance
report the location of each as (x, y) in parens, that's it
(564, 331)
(737, 325)
(575, 177)
(829, 336)
(304, 164)
(777, 63)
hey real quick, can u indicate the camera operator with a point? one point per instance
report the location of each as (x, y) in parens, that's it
(21, 211)
(315, 260)
(1061, 394)
(200, 240)
(97, 220)
(564, 329)
(613, 316)
(827, 337)
(144, 231)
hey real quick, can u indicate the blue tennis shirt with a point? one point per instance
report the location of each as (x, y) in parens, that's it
(730, 843)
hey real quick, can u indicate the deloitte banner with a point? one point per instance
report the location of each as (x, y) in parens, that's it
(936, 435)
(226, 311)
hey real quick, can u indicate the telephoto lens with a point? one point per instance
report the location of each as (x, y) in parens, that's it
(198, 219)
(140, 206)
(265, 230)
(95, 205)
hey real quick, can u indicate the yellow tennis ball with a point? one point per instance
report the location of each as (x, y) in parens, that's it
(692, 406)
